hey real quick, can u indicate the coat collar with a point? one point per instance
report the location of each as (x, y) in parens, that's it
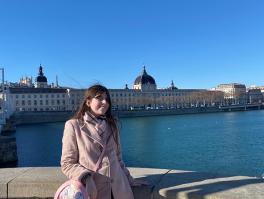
(94, 127)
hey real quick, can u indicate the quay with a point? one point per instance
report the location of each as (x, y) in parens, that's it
(27, 117)
(42, 182)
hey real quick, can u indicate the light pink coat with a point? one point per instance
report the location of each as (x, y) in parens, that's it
(81, 148)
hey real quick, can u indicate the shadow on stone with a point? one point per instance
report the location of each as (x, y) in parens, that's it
(198, 185)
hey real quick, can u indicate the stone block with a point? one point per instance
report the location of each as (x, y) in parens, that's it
(37, 182)
(197, 185)
(7, 175)
(153, 176)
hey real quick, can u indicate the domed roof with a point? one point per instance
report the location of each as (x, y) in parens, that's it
(144, 78)
(41, 77)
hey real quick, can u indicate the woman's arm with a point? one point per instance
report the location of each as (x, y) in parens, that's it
(70, 155)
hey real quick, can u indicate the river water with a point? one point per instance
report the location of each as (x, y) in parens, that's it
(229, 143)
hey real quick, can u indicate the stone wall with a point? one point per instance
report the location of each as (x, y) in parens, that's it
(42, 182)
(8, 150)
(41, 117)
(62, 116)
(160, 112)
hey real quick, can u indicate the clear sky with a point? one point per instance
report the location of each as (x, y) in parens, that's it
(195, 43)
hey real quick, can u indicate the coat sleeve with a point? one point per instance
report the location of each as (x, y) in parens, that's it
(122, 164)
(70, 155)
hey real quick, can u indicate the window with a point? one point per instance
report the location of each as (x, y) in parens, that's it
(35, 102)
(29, 102)
(40, 102)
(47, 102)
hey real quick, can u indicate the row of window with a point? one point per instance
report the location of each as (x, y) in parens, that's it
(140, 94)
(40, 102)
(148, 99)
(42, 109)
(39, 96)
(73, 95)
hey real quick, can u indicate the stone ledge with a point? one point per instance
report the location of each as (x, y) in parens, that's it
(42, 182)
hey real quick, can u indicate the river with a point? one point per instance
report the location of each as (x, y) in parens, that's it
(230, 143)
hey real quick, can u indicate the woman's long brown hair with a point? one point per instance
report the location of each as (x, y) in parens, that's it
(90, 93)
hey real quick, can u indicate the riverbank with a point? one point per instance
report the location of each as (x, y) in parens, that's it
(42, 182)
(61, 116)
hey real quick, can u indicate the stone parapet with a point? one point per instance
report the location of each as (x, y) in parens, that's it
(42, 182)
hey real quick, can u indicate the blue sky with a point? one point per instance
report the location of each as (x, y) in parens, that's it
(195, 43)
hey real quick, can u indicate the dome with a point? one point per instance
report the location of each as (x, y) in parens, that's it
(144, 79)
(41, 77)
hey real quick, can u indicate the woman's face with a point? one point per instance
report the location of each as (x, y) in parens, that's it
(99, 104)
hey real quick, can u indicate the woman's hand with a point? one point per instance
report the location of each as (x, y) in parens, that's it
(139, 182)
(91, 187)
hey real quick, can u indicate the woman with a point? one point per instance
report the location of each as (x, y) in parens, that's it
(93, 132)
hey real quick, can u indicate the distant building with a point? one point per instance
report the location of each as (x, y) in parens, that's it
(254, 96)
(234, 93)
(38, 99)
(143, 95)
(26, 82)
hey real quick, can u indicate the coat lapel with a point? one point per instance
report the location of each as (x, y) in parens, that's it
(92, 129)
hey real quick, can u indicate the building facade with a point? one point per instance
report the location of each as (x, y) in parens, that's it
(144, 94)
(254, 96)
(234, 93)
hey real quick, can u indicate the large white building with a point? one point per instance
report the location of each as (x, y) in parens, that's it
(39, 96)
